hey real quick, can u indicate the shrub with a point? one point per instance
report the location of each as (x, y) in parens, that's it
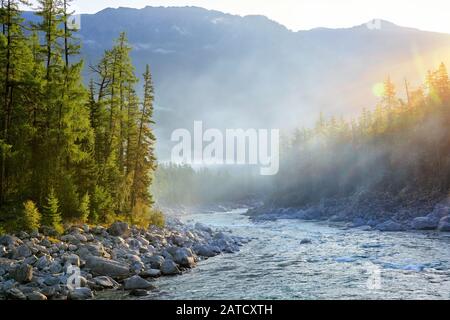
(84, 208)
(31, 216)
(51, 216)
(144, 217)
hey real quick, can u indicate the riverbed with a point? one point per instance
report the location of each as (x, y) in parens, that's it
(294, 259)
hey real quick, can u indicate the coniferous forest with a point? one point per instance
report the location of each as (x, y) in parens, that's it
(70, 152)
(399, 151)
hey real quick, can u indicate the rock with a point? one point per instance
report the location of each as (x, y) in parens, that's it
(87, 250)
(43, 262)
(49, 292)
(3, 251)
(204, 228)
(169, 267)
(71, 259)
(105, 282)
(55, 267)
(21, 252)
(424, 223)
(52, 281)
(150, 273)
(119, 229)
(444, 224)
(104, 267)
(48, 231)
(139, 293)
(306, 241)
(8, 240)
(15, 294)
(184, 257)
(31, 260)
(206, 250)
(155, 261)
(37, 296)
(22, 273)
(390, 226)
(136, 282)
(81, 294)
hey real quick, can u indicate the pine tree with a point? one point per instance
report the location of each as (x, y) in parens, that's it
(31, 216)
(51, 216)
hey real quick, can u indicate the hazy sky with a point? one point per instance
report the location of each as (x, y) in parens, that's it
(430, 15)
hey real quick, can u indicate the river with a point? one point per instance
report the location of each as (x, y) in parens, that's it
(339, 263)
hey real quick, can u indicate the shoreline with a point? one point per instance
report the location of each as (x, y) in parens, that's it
(86, 260)
(365, 216)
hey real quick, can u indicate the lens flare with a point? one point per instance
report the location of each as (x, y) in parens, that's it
(378, 90)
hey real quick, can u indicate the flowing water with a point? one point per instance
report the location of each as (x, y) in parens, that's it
(339, 263)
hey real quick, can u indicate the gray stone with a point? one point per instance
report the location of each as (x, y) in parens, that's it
(37, 296)
(204, 228)
(70, 238)
(15, 294)
(136, 282)
(155, 261)
(105, 282)
(184, 257)
(21, 252)
(87, 250)
(43, 262)
(206, 250)
(150, 273)
(55, 267)
(8, 240)
(52, 281)
(444, 224)
(424, 223)
(169, 267)
(3, 251)
(31, 260)
(119, 229)
(139, 293)
(81, 294)
(306, 241)
(104, 267)
(22, 273)
(71, 259)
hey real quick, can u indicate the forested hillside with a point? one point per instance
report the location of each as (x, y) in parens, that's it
(399, 151)
(70, 153)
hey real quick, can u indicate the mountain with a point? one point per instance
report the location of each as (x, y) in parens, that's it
(232, 71)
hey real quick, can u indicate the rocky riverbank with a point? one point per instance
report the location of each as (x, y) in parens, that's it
(85, 260)
(374, 212)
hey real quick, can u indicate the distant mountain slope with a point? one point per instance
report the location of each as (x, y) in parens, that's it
(250, 71)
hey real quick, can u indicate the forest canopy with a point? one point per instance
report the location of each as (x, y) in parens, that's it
(70, 152)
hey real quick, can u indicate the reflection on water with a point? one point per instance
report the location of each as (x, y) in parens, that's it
(339, 263)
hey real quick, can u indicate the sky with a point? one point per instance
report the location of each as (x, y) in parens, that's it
(430, 15)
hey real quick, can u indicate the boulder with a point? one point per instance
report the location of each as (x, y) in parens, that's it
(71, 259)
(150, 273)
(306, 241)
(204, 228)
(184, 257)
(390, 226)
(169, 267)
(105, 282)
(8, 240)
(139, 293)
(81, 294)
(206, 250)
(136, 282)
(155, 261)
(88, 250)
(21, 252)
(15, 294)
(104, 267)
(36, 295)
(119, 229)
(444, 224)
(22, 273)
(424, 223)
(43, 262)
